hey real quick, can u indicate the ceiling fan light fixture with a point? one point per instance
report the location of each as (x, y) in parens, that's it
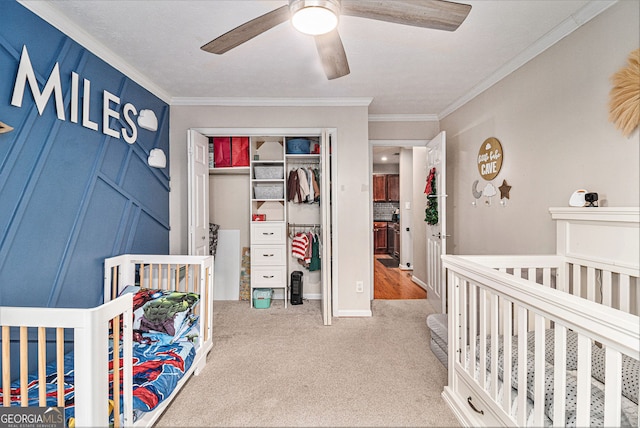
(314, 17)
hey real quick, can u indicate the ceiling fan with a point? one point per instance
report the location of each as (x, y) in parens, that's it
(319, 18)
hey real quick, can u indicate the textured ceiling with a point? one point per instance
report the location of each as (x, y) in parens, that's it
(405, 70)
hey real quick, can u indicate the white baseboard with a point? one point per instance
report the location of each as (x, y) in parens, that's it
(418, 281)
(404, 267)
(354, 313)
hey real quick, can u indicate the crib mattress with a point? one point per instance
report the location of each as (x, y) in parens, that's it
(629, 412)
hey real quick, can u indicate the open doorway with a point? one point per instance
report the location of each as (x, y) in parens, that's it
(392, 202)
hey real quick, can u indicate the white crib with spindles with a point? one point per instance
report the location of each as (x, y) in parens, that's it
(532, 338)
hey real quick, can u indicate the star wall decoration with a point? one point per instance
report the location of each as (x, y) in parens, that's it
(4, 128)
(504, 190)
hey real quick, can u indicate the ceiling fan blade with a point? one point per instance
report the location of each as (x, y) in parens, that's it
(332, 55)
(436, 14)
(247, 31)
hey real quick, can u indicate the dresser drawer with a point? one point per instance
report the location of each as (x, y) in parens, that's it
(477, 409)
(268, 276)
(267, 233)
(268, 255)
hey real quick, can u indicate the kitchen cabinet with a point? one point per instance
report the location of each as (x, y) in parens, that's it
(393, 188)
(386, 188)
(379, 188)
(380, 236)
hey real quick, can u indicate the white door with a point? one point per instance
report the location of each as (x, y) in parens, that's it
(198, 173)
(437, 233)
(325, 206)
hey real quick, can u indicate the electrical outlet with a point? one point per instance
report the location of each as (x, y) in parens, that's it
(359, 287)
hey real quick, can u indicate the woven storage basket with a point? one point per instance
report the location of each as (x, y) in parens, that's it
(269, 172)
(268, 191)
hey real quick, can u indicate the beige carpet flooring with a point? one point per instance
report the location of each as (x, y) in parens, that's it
(282, 367)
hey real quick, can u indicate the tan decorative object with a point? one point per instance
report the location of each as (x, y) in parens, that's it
(504, 190)
(5, 128)
(624, 98)
(490, 158)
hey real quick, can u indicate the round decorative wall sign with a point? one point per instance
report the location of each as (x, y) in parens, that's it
(490, 158)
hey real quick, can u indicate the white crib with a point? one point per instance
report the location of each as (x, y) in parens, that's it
(29, 334)
(506, 312)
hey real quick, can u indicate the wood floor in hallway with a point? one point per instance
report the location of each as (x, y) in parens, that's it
(394, 283)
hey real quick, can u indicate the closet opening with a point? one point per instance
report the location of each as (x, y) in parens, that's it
(259, 207)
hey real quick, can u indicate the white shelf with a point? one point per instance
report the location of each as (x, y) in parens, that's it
(311, 156)
(242, 170)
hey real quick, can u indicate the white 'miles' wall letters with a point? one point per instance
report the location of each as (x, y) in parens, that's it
(53, 86)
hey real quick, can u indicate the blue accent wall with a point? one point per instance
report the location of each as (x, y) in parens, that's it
(71, 196)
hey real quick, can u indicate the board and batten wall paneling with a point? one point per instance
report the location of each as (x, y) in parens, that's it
(71, 196)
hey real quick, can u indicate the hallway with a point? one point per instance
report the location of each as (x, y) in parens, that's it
(393, 283)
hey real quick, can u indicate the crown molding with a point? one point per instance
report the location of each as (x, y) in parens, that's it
(271, 102)
(568, 26)
(50, 14)
(403, 118)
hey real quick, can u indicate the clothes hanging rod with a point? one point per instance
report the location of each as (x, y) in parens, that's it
(290, 225)
(303, 161)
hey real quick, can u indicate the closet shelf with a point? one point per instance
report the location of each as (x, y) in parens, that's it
(240, 170)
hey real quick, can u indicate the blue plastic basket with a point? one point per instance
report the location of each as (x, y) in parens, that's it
(298, 146)
(262, 298)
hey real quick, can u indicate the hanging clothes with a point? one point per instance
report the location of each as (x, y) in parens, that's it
(315, 263)
(303, 185)
(316, 177)
(300, 246)
(316, 180)
(311, 188)
(293, 186)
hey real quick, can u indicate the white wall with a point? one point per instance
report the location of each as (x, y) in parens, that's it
(351, 248)
(419, 158)
(385, 168)
(229, 203)
(551, 117)
(406, 213)
(395, 128)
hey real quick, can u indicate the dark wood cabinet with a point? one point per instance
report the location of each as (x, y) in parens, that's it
(386, 188)
(380, 236)
(396, 243)
(379, 188)
(393, 188)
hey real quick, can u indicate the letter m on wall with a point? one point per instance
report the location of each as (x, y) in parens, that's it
(26, 74)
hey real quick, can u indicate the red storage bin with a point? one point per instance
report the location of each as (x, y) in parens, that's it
(221, 152)
(230, 152)
(239, 151)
